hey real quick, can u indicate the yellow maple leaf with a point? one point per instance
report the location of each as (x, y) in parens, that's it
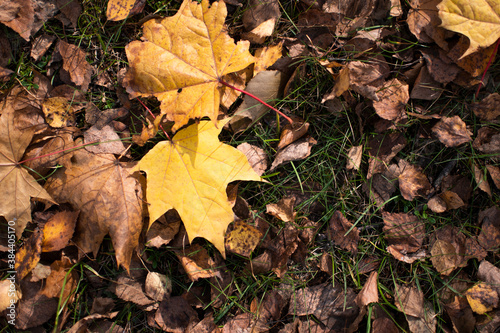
(191, 173)
(479, 20)
(18, 186)
(183, 59)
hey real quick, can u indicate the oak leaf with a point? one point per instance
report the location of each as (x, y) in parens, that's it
(182, 60)
(479, 20)
(17, 183)
(109, 200)
(190, 174)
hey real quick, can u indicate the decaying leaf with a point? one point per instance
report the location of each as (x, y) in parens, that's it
(243, 238)
(478, 20)
(343, 233)
(256, 156)
(292, 132)
(424, 23)
(296, 151)
(119, 9)
(334, 307)
(461, 315)
(354, 157)
(420, 315)
(266, 57)
(482, 298)
(382, 149)
(487, 109)
(197, 263)
(18, 15)
(9, 295)
(494, 172)
(195, 167)
(412, 182)
(264, 85)
(58, 230)
(444, 257)
(109, 200)
(75, 65)
(369, 293)
(131, 290)
(19, 185)
(405, 232)
(452, 132)
(489, 237)
(62, 281)
(28, 256)
(158, 286)
(283, 210)
(163, 230)
(175, 315)
(487, 141)
(481, 180)
(182, 60)
(391, 100)
(259, 19)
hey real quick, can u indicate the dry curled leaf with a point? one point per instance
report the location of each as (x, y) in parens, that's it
(183, 58)
(451, 131)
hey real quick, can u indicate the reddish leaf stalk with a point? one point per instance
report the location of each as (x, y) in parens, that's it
(258, 100)
(487, 67)
(154, 117)
(56, 152)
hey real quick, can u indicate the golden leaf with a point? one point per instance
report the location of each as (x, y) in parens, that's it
(183, 59)
(191, 173)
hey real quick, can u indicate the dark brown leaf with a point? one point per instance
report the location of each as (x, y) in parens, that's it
(338, 229)
(406, 232)
(175, 315)
(412, 182)
(452, 132)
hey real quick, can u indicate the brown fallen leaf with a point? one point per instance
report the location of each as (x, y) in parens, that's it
(440, 67)
(62, 281)
(264, 85)
(268, 311)
(354, 156)
(28, 255)
(109, 200)
(332, 306)
(487, 109)
(58, 112)
(343, 233)
(130, 290)
(75, 65)
(369, 292)
(9, 295)
(292, 132)
(296, 151)
(197, 61)
(382, 149)
(490, 274)
(256, 156)
(41, 45)
(283, 210)
(197, 263)
(175, 315)
(19, 15)
(421, 317)
(19, 185)
(482, 298)
(34, 309)
(391, 101)
(108, 141)
(487, 141)
(382, 185)
(367, 78)
(412, 182)
(158, 286)
(473, 64)
(404, 231)
(424, 22)
(242, 239)
(444, 257)
(58, 230)
(489, 220)
(259, 20)
(425, 87)
(495, 174)
(240, 323)
(163, 230)
(461, 315)
(451, 131)
(481, 180)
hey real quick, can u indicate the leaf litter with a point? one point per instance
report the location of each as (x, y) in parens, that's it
(281, 240)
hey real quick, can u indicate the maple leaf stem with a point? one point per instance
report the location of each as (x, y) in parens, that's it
(487, 67)
(57, 152)
(257, 99)
(154, 117)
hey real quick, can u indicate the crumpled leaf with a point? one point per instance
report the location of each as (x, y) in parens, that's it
(19, 186)
(109, 200)
(479, 20)
(195, 168)
(482, 298)
(243, 239)
(182, 60)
